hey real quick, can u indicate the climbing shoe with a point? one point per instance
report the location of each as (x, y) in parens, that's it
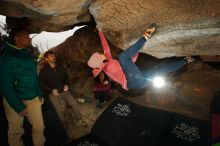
(150, 31)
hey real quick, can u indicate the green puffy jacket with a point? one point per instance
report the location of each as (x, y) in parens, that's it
(18, 76)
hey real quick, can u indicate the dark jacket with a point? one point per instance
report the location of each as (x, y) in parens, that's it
(53, 78)
(18, 76)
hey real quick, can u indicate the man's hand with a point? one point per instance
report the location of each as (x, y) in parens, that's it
(55, 92)
(23, 113)
(105, 82)
(65, 88)
(41, 99)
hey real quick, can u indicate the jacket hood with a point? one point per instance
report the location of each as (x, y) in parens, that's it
(96, 60)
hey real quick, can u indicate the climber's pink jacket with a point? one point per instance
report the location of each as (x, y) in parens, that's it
(111, 67)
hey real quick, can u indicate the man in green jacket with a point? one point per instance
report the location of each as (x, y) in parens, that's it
(20, 87)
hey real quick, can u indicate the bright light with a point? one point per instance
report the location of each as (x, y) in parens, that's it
(158, 82)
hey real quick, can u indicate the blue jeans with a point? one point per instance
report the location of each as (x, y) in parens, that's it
(137, 79)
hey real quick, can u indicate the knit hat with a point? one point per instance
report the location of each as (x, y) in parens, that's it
(96, 60)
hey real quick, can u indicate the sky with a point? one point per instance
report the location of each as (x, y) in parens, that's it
(2, 22)
(46, 40)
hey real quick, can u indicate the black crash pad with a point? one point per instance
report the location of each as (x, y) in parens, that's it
(88, 140)
(125, 123)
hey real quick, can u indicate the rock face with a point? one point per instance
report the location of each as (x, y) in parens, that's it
(47, 15)
(75, 52)
(184, 27)
(189, 91)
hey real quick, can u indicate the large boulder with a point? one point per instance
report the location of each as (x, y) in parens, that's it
(74, 54)
(188, 89)
(47, 15)
(185, 27)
